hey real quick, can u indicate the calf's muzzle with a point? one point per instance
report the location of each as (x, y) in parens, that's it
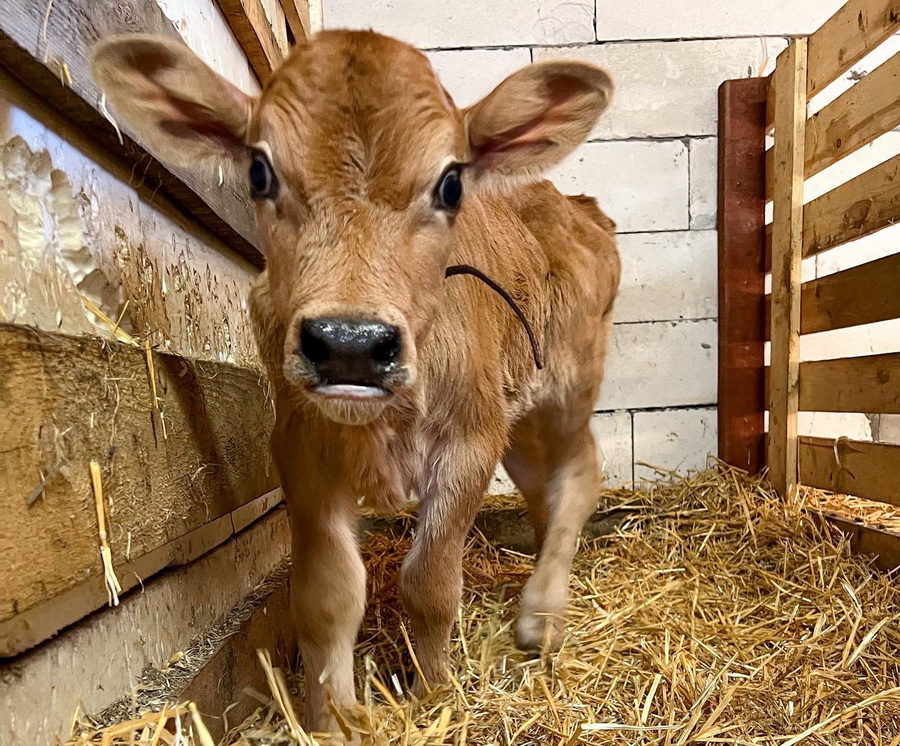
(356, 357)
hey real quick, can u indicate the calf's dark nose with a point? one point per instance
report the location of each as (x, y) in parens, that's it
(341, 351)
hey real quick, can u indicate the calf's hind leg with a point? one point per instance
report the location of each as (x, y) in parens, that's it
(556, 469)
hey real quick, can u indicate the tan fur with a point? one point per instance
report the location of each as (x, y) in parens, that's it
(359, 130)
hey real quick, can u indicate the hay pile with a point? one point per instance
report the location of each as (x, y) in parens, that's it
(718, 614)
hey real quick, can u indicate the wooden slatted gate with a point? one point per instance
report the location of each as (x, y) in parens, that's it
(750, 176)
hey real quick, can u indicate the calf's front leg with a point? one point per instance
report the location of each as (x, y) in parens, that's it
(328, 590)
(431, 579)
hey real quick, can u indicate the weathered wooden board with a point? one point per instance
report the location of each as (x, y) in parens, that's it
(847, 37)
(865, 294)
(850, 467)
(100, 660)
(864, 112)
(248, 22)
(297, 14)
(166, 472)
(882, 544)
(856, 384)
(843, 40)
(864, 205)
(790, 123)
(741, 211)
(46, 46)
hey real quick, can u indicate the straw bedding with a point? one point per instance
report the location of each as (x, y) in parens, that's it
(717, 614)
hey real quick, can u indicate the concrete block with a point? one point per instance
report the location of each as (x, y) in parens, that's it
(612, 434)
(468, 23)
(703, 157)
(656, 364)
(674, 440)
(835, 425)
(667, 276)
(669, 89)
(643, 186)
(662, 19)
(471, 74)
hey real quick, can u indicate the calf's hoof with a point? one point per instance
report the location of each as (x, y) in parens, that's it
(539, 633)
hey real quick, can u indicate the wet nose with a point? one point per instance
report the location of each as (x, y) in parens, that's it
(350, 352)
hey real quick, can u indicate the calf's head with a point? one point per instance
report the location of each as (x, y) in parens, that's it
(359, 163)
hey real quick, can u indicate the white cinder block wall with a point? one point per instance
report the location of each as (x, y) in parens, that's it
(651, 162)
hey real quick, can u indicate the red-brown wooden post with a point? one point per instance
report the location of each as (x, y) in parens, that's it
(742, 405)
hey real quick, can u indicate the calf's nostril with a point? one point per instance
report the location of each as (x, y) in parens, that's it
(314, 342)
(387, 349)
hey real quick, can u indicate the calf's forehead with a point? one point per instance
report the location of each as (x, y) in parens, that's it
(358, 112)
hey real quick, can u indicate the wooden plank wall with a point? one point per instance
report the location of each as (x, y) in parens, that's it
(181, 438)
(864, 294)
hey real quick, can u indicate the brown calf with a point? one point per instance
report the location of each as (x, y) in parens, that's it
(390, 379)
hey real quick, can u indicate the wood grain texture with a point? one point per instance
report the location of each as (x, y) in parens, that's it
(252, 29)
(850, 467)
(862, 206)
(741, 236)
(843, 40)
(790, 123)
(882, 544)
(863, 113)
(847, 37)
(865, 294)
(67, 401)
(868, 384)
(51, 60)
(297, 14)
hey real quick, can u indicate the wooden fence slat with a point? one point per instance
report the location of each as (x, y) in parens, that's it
(741, 211)
(843, 40)
(251, 28)
(46, 47)
(40, 622)
(865, 294)
(882, 544)
(862, 206)
(166, 472)
(868, 384)
(848, 36)
(790, 123)
(861, 114)
(850, 467)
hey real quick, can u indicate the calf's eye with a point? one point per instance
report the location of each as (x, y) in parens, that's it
(263, 184)
(448, 193)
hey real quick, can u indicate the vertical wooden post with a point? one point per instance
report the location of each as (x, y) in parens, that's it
(787, 242)
(742, 274)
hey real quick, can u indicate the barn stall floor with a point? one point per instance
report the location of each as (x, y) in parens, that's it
(717, 614)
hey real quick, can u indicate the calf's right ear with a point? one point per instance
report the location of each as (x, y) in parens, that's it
(176, 105)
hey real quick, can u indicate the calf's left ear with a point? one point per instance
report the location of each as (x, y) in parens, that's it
(535, 118)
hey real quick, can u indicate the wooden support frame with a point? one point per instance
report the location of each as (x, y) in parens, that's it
(47, 49)
(842, 41)
(790, 124)
(863, 294)
(741, 224)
